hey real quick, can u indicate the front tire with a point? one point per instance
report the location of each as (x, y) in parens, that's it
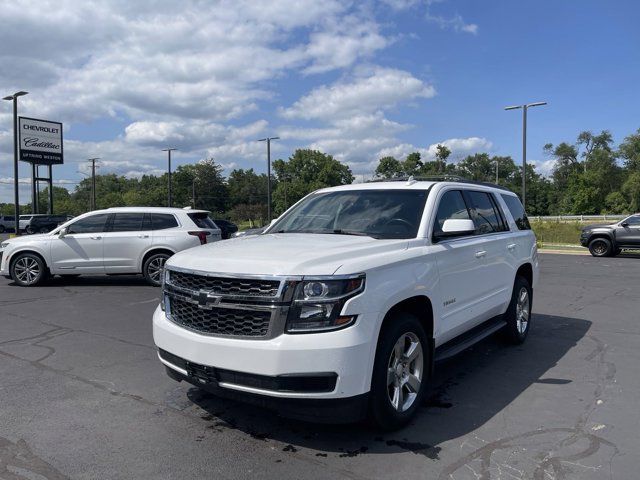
(153, 268)
(600, 247)
(400, 372)
(28, 270)
(518, 315)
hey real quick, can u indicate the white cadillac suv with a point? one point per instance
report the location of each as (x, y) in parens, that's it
(122, 240)
(341, 308)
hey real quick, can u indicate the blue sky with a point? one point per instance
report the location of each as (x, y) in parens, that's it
(357, 80)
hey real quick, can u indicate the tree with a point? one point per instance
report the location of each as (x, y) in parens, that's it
(629, 150)
(389, 167)
(304, 172)
(247, 187)
(412, 165)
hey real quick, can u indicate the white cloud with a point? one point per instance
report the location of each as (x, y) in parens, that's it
(367, 93)
(543, 167)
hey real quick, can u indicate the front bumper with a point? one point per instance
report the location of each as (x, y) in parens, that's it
(584, 239)
(346, 354)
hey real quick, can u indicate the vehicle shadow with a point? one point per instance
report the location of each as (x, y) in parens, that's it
(486, 378)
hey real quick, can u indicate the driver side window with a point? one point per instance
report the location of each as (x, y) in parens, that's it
(92, 224)
(633, 221)
(452, 206)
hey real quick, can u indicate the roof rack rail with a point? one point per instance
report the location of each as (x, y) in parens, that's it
(440, 178)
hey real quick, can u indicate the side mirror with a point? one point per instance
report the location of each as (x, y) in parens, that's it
(273, 221)
(454, 227)
(624, 224)
(63, 232)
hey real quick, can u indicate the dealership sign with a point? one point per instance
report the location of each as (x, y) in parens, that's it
(40, 141)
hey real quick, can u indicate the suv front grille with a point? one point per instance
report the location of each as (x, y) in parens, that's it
(224, 286)
(219, 320)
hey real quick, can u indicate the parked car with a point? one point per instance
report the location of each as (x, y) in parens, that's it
(606, 240)
(124, 240)
(44, 223)
(343, 305)
(23, 221)
(228, 228)
(7, 222)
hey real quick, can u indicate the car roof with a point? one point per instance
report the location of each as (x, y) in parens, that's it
(173, 210)
(415, 184)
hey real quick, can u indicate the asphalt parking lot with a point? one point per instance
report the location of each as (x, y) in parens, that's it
(83, 396)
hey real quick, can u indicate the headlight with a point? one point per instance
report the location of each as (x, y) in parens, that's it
(164, 300)
(318, 303)
(4, 244)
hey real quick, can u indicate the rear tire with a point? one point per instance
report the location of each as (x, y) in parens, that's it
(518, 315)
(28, 270)
(153, 268)
(400, 372)
(2, 228)
(600, 247)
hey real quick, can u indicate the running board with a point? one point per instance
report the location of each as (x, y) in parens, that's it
(464, 341)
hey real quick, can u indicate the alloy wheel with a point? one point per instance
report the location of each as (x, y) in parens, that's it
(404, 372)
(599, 248)
(155, 267)
(522, 311)
(27, 270)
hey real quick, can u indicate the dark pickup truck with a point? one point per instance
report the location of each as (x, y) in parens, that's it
(607, 240)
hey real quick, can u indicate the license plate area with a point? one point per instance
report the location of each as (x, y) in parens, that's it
(201, 373)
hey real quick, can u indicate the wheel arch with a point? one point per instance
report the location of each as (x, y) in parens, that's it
(153, 251)
(606, 235)
(421, 307)
(17, 253)
(526, 271)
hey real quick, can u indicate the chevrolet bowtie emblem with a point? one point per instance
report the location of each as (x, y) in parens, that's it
(204, 299)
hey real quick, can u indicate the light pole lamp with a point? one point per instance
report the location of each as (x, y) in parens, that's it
(524, 144)
(16, 196)
(268, 140)
(169, 150)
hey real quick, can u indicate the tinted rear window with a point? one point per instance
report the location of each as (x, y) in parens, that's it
(127, 222)
(517, 211)
(202, 220)
(162, 221)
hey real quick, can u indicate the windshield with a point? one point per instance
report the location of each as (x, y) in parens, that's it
(384, 214)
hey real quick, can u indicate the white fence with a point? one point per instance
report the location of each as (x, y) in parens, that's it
(578, 218)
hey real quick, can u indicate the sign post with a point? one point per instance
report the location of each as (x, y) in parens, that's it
(40, 143)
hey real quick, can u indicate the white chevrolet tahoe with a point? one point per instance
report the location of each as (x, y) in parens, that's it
(122, 240)
(340, 309)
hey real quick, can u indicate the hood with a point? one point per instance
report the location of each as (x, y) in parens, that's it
(28, 238)
(282, 254)
(598, 225)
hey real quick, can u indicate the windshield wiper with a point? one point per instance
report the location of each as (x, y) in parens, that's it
(339, 231)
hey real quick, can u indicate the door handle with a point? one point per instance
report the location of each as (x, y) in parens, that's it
(512, 246)
(143, 236)
(481, 254)
(96, 238)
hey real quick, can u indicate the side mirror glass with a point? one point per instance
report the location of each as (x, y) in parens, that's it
(454, 227)
(62, 232)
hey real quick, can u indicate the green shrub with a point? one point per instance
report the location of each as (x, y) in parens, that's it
(564, 233)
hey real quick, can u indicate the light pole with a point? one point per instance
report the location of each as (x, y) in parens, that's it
(524, 143)
(16, 198)
(93, 181)
(268, 140)
(169, 150)
(497, 170)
